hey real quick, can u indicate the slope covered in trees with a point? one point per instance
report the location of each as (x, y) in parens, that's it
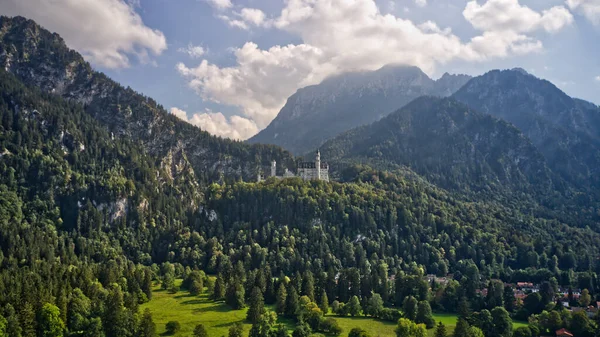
(41, 59)
(563, 129)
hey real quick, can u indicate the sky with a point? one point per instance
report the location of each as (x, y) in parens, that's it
(228, 66)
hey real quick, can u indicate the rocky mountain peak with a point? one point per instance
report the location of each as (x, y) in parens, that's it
(319, 112)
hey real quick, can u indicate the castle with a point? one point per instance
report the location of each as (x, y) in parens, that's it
(306, 170)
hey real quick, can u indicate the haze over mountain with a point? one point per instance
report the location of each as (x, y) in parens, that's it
(316, 113)
(448, 143)
(564, 129)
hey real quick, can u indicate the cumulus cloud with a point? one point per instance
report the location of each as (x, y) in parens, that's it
(220, 4)
(234, 22)
(253, 16)
(421, 3)
(216, 123)
(106, 32)
(589, 8)
(509, 15)
(192, 51)
(246, 18)
(340, 35)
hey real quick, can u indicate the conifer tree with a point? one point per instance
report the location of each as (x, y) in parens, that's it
(292, 302)
(440, 330)
(147, 327)
(281, 299)
(324, 302)
(200, 331)
(257, 306)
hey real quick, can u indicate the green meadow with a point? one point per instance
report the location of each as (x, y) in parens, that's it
(217, 317)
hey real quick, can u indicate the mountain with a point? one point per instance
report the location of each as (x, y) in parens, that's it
(42, 59)
(102, 203)
(319, 112)
(448, 143)
(565, 130)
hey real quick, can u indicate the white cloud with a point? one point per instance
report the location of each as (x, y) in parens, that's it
(341, 35)
(589, 8)
(106, 32)
(597, 78)
(509, 15)
(245, 18)
(233, 22)
(220, 4)
(192, 51)
(421, 3)
(217, 124)
(253, 16)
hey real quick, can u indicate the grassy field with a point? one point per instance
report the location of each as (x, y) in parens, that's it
(218, 317)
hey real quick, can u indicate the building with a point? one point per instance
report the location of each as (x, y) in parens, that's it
(314, 170)
(563, 333)
(306, 170)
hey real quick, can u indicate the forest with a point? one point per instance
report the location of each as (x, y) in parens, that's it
(90, 222)
(104, 200)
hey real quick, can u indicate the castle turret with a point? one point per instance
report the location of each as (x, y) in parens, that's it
(318, 164)
(273, 168)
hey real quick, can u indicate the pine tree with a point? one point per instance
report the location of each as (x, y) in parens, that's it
(440, 330)
(13, 328)
(200, 331)
(219, 289)
(461, 329)
(281, 299)
(292, 302)
(235, 294)
(27, 320)
(409, 307)
(236, 330)
(424, 315)
(147, 327)
(308, 285)
(324, 302)
(257, 306)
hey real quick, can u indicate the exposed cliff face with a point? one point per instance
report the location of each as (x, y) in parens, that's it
(317, 113)
(565, 130)
(40, 58)
(449, 144)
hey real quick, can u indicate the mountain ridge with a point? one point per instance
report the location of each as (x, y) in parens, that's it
(564, 129)
(42, 59)
(319, 112)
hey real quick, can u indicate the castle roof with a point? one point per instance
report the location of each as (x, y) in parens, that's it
(312, 165)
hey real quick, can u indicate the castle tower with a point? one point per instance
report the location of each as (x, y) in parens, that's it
(273, 168)
(318, 164)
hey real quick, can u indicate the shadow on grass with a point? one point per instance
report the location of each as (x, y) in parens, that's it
(188, 295)
(228, 324)
(213, 308)
(361, 318)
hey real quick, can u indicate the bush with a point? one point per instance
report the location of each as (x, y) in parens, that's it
(172, 327)
(331, 325)
(358, 332)
(390, 315)
(195, 288)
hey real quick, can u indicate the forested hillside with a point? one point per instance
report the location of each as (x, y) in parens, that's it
(105, 197)
(564, 129)
(41, 59)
